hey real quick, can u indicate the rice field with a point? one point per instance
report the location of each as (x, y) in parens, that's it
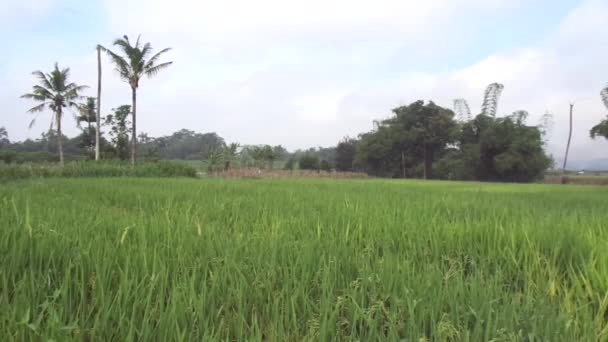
(128, 259)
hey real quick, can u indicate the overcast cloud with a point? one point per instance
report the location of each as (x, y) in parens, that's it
(307, 73)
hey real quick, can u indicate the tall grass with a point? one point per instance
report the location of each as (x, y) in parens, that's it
(290, 260)
(95, 169)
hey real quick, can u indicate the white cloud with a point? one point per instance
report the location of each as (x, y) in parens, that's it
(243, 19)
(304, 73)
(18, 11)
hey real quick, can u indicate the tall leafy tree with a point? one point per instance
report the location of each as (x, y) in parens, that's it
(500, 149)
(56, 92)
(345, 154)
(429, 127)
(133, 62)
(118, 122)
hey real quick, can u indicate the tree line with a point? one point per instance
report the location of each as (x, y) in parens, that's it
(419, 140)
(424, 140)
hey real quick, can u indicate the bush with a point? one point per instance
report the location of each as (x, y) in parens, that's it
(324, 165)
(290, 165)
(96, 169)
(309, 162)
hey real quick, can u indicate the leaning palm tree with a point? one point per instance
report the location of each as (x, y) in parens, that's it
(133, 64)
(55, 92)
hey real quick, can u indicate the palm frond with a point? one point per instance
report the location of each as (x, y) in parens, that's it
(462, 110)
(34, 96)
(42, 91)
(33, 122)
(38, 108)
(65, 75)
(157, 68)
(124, 45)
(120, 63)
(154, 58)
(146, 50)
(604, 95)
(490, 99)
(43, 79)
(137, 41)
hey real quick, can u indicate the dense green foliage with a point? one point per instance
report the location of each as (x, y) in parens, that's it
(345, 155)
(601, 129)
(95, 169)
(309, 162)
(500, 149)
(193, 260)
(183, 144)
(119, 131)
(420, 136)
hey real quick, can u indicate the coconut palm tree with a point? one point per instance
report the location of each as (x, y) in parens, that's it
(88, 113)
(132, 64)
(56, 92)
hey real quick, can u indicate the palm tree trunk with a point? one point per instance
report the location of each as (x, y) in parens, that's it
(134, 132)
(98, 114)
(59, 137)
(91, 142)
(569, 139)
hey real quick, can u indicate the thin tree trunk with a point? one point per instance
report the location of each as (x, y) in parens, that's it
(98, 114)
(59, 138)
(569, 139)
(134, 121)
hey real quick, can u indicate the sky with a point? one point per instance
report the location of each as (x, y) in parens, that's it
(308, 73)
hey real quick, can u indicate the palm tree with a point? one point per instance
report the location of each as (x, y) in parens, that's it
(55, 92)
(88, 114)
(132, 65)
(230, 153)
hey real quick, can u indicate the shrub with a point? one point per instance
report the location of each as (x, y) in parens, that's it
(324, 165)
(309, 162)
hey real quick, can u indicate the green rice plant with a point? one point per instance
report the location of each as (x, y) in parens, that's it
(95, 169)
(147, 259)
